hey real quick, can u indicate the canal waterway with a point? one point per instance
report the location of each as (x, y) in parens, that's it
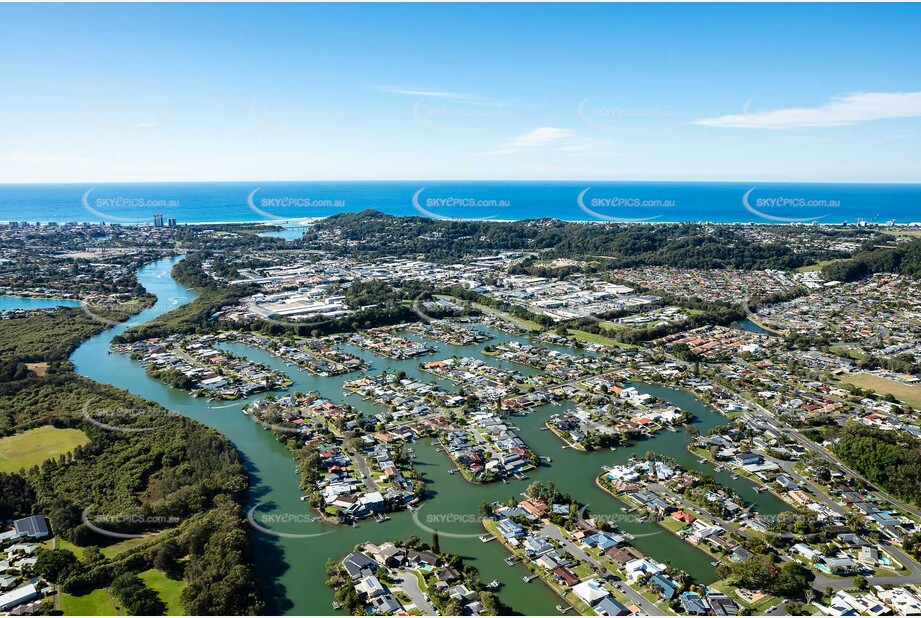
(291, 564)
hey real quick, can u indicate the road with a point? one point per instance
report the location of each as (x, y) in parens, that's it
(358, 458)
(555, 533)
(823, 452)
(689, 506)
(408, 581)
(366, 475)
(821, 496)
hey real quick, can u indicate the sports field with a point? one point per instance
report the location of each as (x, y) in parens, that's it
(905, 393)
(32, 447)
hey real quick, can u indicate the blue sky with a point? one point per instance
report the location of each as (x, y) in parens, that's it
(97, 93)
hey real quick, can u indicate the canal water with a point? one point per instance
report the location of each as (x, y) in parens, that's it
(748, 325)
(286, 233)
(291, 565)
(10, 303)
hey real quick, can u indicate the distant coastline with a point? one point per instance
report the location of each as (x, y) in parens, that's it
(288, 203)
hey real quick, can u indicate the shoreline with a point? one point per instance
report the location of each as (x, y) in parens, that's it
(297, 221)
(307, 221)
(54, 298)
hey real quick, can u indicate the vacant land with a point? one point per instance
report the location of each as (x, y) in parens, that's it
(586, 337)
(910, 395)
(168, 589)
(31, 448)
(110, 551)
(40, 369)
(816, 266)
(96, 603)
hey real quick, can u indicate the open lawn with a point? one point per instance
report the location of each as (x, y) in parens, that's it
(581, 335)
(59, 543)
(846, 352)
(672, 524)
(910, 395)
(758, 603)
(816, 266)
(511, 318)
(96, 603)
(110, 551)
(168, 589)
(915, 233)
(32, 447)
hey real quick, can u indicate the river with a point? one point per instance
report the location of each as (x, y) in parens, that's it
(26, 303)
(291, 568)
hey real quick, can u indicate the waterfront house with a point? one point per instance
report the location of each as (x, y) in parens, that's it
(370, 586)
(694, 604)
(358, 565)
(387, 555)
(537, 545)
(666, 585)
(385, 604)
(565, 576)
(510, 530)
(591, 591)
(639, 568)
(722, 605)
(609, 606)
(419, 558)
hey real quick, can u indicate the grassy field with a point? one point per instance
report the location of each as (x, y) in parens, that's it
(581, 335)
(110, 551)
(910, 395)
(816, 266)
(59, 543)
(168, 589)
(96, 603)
(511, 318)
(914, 233)
(30, 448)
(844, 351)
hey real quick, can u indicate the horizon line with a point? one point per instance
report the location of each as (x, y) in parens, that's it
(467, 180)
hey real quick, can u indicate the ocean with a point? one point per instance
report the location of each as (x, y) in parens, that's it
(652, 202)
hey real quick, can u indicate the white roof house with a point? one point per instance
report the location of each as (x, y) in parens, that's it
(591, 591)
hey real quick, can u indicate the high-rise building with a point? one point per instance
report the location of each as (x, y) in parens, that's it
(171, 222)
(158, 220)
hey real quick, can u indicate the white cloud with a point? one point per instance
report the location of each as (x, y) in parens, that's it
(412, 92)
(840, 111)
(540, 136)
(552, 138)
(460, 97)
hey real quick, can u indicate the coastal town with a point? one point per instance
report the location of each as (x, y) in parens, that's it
(513, 381)
(460, 310)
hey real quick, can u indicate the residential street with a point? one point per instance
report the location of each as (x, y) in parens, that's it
(410, 585)
(555, 533)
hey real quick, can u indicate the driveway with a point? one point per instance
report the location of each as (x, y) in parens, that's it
(409, 583)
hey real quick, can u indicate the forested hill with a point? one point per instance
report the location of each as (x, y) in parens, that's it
(904, 260)
(156, 473)
(688, 245)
